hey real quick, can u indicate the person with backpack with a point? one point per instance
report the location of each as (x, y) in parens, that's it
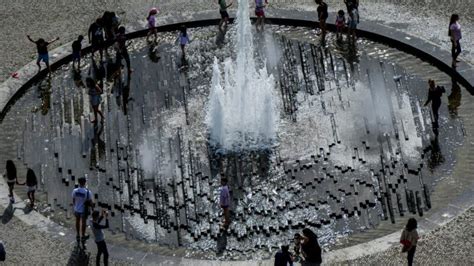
(310, 248)
(82, 202)
(42, 48)
(96, 37)
(31, 185)
(409, 239)
(434, 96)
(10, 174)
(97, 229)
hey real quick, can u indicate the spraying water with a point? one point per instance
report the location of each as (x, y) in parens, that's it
(242, 113)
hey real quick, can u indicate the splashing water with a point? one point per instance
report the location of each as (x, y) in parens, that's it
(242, 114)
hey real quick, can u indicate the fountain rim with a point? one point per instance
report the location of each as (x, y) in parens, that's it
(370, 30)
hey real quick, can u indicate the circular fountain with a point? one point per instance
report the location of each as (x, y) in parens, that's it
(331, 136)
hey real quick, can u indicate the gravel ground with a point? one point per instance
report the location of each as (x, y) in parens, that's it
(450, 245)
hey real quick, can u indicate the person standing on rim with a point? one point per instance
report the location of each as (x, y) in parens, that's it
(43, 55)
(434, 96)
(409, 239)
(224, 15)
(310, 249)
(322, 15)
(82, 202)
(224, 201)
(455, 35)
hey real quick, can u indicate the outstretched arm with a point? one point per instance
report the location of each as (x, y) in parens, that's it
(50, 42)
(29, 38)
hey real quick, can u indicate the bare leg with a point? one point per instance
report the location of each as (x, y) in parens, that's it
(78, 224)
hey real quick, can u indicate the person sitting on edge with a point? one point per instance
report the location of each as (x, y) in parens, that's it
(76, 51)
(224, 15)
(82, 202)
(42, 47)
(224, 201)
(99, 237)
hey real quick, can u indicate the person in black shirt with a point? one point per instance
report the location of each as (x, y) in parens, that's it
(322, 15)
(42, 47)
(76, 51)
(121, 47)
(283, 257)
(310, 248)
(434, 96)
(96, 37)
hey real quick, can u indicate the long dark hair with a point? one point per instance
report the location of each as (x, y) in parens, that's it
(454, 18)
(313, 238)
(412, 224)
(31, 178)
(11, 170)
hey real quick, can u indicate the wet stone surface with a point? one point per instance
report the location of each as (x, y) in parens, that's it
(355, 146)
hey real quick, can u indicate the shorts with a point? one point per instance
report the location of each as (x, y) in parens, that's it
(95, 100)
(43, 57)
(31, 189)
(260, 13)
(224, 14)
(76, 55)
(80, 215)
(11, 184)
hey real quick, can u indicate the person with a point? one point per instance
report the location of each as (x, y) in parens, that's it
(297, 248)
(260, 13)
(224, 15)
(76, 51)
(121, 48)
(96, 37)
(10, 173)
(42, 47)
(94, 93)
(31, 185)
(151, 19)
(99, 238)
(351, 4)
(456, 36)
(434, 96)
(82, 202)
(310, 248)
(340, 22)
(224, 201)
(283, 257)
(322, 15)
(409, 239)
(352, 23)
(183, 41)
(107, 22)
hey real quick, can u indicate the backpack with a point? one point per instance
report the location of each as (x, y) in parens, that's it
(2, 252)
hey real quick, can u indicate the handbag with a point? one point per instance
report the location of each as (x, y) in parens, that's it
(406, 245)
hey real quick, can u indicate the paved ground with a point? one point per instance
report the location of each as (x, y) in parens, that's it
(450, 245)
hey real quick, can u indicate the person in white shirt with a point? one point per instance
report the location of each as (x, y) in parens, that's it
(456, 36)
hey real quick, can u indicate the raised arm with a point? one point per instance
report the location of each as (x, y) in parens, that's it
(52, 41)
(429, 99)
(29, 38)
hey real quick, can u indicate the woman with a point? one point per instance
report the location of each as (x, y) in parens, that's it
(31, 184)
(322, 15)
(434, 96)
(310, 248)
(409, 239)
(456, 36)
(151, 19)
(11, 179)
(94, 92)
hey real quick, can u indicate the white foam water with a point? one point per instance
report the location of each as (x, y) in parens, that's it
(242, 112)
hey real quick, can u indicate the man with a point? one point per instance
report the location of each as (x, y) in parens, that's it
(42, 47)
(224, 201)
(76, 51)
(82, 202)
(224, 15)
(96, 37)
(99, 235)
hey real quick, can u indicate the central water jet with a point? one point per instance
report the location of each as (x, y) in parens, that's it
(242, 113)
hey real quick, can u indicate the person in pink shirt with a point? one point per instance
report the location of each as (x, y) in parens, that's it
(151, 19)
(224, 201)
(456, 36)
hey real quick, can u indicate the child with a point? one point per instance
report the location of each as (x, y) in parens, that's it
(76, 51)
(352, 23)
(340, 22)
(152, 23)
(409, 239)
(260, 13)
(42, 47)
(183, 41)
(283, 257)
(121, 46)
(224, 201)
(99, 235)
(31, 184)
